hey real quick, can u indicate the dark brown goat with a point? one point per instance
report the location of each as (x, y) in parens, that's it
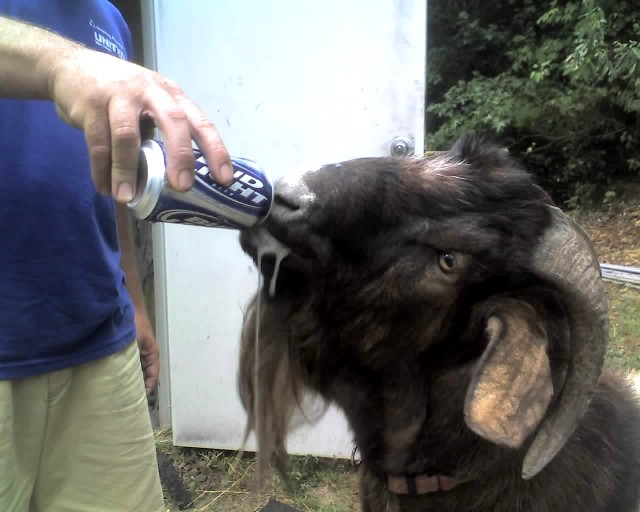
(459, 320)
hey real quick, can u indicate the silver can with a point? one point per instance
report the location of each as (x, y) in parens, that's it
(247, 201)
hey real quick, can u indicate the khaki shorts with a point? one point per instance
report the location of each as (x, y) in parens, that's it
(79, 440)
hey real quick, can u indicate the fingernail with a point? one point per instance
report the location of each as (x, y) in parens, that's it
(124, 194)
(227, 173)
(185, 178)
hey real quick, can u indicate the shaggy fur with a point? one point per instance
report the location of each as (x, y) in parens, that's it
(402, 272)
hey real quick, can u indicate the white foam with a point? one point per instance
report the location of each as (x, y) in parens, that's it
(295, 178)
(269, 246)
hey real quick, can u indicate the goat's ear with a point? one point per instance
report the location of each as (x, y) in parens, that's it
(511, 387)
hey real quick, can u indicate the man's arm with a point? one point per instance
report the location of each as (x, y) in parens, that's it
(26, 56)
(107, 98)
(149, 352)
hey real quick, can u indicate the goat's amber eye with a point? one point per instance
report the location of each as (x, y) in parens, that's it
(446, 261)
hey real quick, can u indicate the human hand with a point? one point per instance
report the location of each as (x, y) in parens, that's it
(108, 98)
(149, 352)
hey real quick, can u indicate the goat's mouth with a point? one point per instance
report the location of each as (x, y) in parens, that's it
(280, 265)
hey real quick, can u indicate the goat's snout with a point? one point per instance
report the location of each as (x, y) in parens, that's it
(286, 227)
(292, 199)
(286, 196)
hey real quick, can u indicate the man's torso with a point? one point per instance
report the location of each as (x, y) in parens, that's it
(62, 295)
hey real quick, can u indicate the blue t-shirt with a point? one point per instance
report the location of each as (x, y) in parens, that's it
(63, 299)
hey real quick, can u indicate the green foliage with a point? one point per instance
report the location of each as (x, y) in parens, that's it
(557, 82)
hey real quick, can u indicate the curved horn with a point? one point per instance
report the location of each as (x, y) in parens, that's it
(565, 257)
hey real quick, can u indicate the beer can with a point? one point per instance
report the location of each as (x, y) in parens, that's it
(247, 201)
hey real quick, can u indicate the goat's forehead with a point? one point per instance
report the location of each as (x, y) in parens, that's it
(418, 176)
(306, 182)
(443, 163)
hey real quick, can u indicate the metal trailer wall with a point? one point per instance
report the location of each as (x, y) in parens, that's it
(289, 84)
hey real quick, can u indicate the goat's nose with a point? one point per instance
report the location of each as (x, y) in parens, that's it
(286, 195)
(292, 196)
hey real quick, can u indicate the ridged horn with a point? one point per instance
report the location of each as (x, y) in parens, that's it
(565, 257)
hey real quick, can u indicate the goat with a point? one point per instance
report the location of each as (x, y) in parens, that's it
(459, 320)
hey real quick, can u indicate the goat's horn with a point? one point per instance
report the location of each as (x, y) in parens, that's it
(566, 258)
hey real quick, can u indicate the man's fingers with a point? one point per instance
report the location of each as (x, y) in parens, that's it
(126, 96)
(96, 132)
(172, 120)
(150, 377)
(209, 142)
(151, 369)
(124, 119)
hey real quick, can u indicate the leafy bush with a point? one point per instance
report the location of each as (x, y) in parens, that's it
(557, 82)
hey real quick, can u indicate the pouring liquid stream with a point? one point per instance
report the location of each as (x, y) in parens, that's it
(256, 369)
(280, 253)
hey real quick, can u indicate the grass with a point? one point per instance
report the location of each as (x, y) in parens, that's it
(624, 332)
(221, 482)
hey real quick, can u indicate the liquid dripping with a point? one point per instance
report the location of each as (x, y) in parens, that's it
(269, 246)
(282, 254)
(256, 370)
(266, 246)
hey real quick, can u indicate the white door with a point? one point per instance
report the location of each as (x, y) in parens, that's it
(289, 84)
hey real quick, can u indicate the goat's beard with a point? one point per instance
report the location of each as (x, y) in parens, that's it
(275, 392)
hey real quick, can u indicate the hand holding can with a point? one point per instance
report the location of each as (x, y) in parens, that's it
(116, 103)
(107, 97)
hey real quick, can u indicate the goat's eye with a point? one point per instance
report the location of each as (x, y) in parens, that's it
(446, 261)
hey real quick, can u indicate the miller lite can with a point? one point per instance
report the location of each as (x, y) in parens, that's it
(247, 201)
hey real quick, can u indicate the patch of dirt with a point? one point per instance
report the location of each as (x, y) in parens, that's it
(615, 233)
(219, 481)
(330, 499)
